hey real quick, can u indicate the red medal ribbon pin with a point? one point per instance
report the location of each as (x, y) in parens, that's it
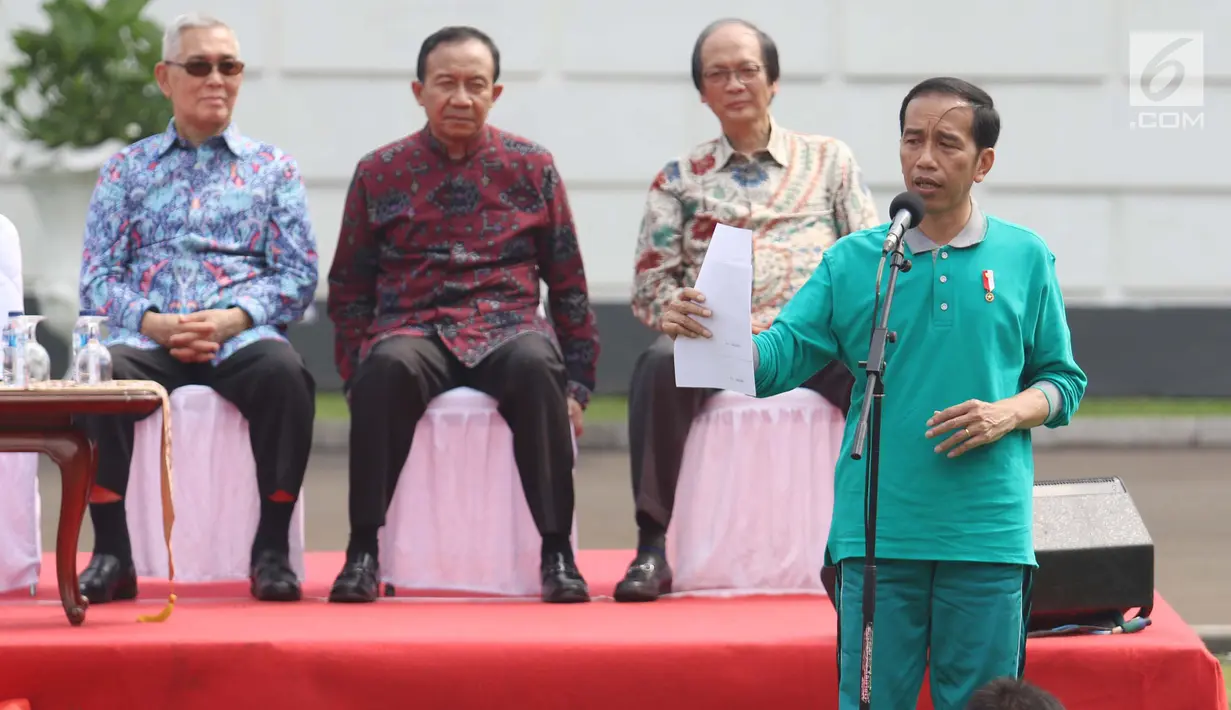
(989, 284)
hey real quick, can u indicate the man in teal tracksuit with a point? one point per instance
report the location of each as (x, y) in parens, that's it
(983, 355)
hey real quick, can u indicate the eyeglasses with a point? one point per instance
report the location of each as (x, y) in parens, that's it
(203, 67)
(745, 74)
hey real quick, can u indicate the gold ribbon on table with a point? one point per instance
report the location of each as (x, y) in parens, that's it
(168, 508)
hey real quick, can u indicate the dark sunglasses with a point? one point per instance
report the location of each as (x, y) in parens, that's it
(204, 67)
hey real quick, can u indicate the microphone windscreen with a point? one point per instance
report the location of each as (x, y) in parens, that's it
(910, 202)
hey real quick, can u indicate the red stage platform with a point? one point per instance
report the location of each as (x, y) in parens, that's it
(219, 649)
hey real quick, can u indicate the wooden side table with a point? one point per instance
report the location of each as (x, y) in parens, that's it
(40, 420)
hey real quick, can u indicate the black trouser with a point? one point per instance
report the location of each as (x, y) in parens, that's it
(399, 378)
(660, 415)
(266, 381)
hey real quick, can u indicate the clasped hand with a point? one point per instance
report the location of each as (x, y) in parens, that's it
(975, 424)
(678, 318)
(195, 337)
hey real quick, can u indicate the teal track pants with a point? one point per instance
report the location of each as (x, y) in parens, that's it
(963, 622)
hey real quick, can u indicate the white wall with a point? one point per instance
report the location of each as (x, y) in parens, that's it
(605, 86)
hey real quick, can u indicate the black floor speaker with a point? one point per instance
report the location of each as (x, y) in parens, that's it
(1095, 556)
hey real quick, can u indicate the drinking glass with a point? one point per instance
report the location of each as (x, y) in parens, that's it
(34, 358)
(93, 364)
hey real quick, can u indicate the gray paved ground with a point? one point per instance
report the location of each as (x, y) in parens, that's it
(1184, 495)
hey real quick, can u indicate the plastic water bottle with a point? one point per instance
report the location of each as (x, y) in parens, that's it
(15, 350)
(6, 351)
(81, 335)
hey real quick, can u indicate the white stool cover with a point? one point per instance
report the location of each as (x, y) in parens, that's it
(20, 541)
(20, 538)
(214, 490)
(459, 521)
(755, 495)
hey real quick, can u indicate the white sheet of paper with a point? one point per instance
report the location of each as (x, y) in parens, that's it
(723, 361)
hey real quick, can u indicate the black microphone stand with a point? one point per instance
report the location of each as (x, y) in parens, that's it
(868, 431)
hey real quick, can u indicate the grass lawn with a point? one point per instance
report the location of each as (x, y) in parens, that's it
(331, 406)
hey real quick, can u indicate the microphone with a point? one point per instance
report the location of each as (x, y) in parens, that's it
(906, 211)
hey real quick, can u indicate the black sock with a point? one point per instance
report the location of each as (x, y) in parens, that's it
(557, 543)
(364, 538)
(111, 530)
(651, 536)
(273, 532)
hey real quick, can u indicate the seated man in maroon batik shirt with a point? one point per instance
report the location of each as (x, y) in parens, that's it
(435, 285)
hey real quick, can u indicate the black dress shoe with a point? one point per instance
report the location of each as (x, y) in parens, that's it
(273, 580)
(359, 580)
(647, 578)
(107, 578)
(562, 582)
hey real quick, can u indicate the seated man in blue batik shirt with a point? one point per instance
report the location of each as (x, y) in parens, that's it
(199, 250)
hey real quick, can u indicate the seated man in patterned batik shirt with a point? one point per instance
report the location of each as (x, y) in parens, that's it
(199, 250)
(435, 284)
(797, 192)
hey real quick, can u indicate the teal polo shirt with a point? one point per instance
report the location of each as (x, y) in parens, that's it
(954, 343)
